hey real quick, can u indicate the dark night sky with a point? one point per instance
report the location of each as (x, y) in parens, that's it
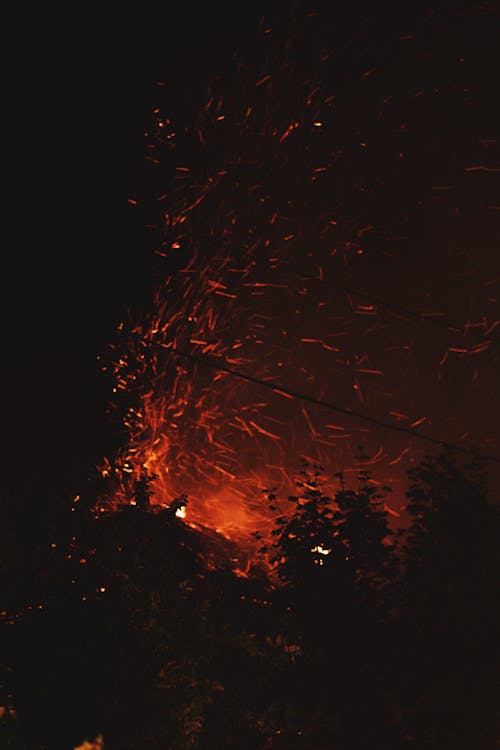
(77, 93)
(78, 90)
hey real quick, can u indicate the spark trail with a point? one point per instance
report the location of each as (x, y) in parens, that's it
(270, 177)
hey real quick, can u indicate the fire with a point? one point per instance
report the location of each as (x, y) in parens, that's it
(97, 744)
(320, 550)
(260, 210)
(181, 512)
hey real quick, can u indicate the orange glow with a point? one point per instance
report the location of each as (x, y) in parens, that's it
(249, 229)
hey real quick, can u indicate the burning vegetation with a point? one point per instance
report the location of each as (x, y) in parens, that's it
(274, 337)
(138, 626)
(272, 560)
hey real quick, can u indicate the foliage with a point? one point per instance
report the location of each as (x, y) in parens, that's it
(304, 537)
(133, 625)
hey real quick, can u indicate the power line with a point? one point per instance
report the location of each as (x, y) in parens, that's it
(416, 315)
(441, 321)
(209, 362)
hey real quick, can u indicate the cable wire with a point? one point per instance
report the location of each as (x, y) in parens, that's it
(209, 362)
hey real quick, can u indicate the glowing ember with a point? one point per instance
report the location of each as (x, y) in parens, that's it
(320, 550)
(96, 744)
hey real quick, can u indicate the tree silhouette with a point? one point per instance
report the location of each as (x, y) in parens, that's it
(135, 625)
(304, 538)
(362, 530)
(333, 556)
(450, 605)
(142, 490)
